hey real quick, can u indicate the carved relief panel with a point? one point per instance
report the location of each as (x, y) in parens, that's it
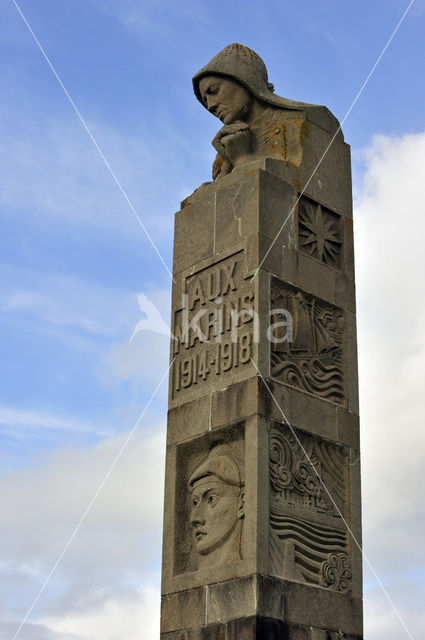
(319, 232)
(309, 486)
(212, 326)
(308, 349)
(210, 503)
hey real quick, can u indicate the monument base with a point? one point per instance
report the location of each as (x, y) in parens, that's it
(255, 628)
(260, 607)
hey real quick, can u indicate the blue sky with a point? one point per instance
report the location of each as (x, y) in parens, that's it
(73, 258)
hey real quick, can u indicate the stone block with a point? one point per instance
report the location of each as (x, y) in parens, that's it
(345, 292)
(261, 250)
(189, 420)
(352, 367)
(244, 629)
(265, 316)
(232, 599)
(277, 209)
(237, 401)
(316, 278)
(212, 632)
(262, 443)
(169, 519)
(289, 271)
(311, 606)
(194, 234)
(347, 427)
(176, 635)
(183, 610)
(349, 247)
(351, 616)
(271, 597)
(299, 409)
(236, 212)
(355, 523)
(331, 181)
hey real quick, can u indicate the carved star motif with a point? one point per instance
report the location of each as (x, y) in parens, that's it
(319, 232)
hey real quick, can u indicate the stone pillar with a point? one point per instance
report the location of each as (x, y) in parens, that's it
(262, 482)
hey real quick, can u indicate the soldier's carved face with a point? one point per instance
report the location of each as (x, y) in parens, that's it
(216, 510)
(225, 98)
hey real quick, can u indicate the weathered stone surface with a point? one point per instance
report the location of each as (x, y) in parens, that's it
(257, 628)
(189, 420)
(262, 492)
(182, 610)
(237, 401)
(198, 218)
(232, 599)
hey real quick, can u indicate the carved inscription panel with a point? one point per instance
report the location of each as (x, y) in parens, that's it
(309, 485)
(310, 353)
(212, 327)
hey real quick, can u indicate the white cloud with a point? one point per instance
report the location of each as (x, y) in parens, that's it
(133, 617)
(390, 261)
(382, 621)
(117, 549)
(32, 631)
(19, 422)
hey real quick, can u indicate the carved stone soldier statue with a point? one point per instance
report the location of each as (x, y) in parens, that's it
(234, 87)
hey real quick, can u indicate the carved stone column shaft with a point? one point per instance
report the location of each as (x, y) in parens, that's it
(262, 492)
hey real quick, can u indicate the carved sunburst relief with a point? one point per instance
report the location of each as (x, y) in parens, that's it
(319, 232)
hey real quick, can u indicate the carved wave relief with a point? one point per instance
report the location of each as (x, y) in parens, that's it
(312, 358)
(312, 376)
(313, 553)
(309, 488)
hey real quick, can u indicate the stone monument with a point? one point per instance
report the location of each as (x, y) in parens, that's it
(262, 528)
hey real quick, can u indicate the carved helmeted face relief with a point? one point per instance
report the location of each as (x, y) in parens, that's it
(225, 98)
(217, 507)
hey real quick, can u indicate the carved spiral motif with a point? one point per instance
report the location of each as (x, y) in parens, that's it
(305, 479)
(280, 462)
(336, 572)
(285, 473)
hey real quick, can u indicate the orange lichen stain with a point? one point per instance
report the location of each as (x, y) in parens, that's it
(185, 203)
(348, 227)
(305, 130)
(297, 184)
(275, 228)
